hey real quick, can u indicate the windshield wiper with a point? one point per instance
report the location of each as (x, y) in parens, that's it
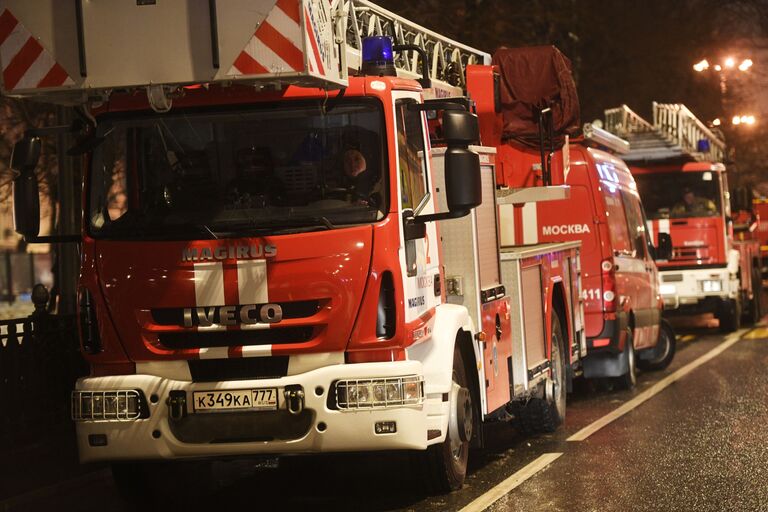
(205, 227)
(276, 225)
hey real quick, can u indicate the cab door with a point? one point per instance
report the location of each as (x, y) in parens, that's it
(644, 275)
(419, 257)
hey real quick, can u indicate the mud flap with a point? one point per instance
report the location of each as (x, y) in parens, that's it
(605, 364)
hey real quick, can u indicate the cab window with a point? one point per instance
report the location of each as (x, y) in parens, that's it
(411, 151)
(617, 219)
(635, 223)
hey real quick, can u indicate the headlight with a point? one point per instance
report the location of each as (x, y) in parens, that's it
(667, 289)
(379, 393)
(711, 285)
(121, 405)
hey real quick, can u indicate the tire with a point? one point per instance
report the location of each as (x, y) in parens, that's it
(629, 379)
(164, 484)
(663, 352)
(730, 315)
(444, 465)
(544, 415)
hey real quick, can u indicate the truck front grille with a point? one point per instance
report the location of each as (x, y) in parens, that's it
(291, 310)
(210, 339)
(246, 368)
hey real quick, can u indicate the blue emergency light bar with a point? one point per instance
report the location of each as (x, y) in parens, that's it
(377, 56)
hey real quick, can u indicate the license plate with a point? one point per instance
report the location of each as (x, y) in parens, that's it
(236, 399)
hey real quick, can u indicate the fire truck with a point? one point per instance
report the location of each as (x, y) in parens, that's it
(677, 164)
(290, 238)
(760, 209)
(622, 304)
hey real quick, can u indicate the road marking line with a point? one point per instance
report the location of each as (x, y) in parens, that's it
(656, 388)
(514, 480)
(756, 334)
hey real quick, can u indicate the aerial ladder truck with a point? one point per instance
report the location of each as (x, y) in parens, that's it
(678, 164)
(277, 258)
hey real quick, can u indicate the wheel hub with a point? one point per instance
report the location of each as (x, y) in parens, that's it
(460, 422)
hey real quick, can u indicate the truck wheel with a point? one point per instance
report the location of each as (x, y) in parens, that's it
(540, 415)
(445, 464)
(663, 352)
(730, 315)
(629, 379)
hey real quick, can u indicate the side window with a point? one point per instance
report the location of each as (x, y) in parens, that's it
(109, 181)
(635, 223)
(411, 151)
(617, 220)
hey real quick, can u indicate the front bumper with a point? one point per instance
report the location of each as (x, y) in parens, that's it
(683, 289)
(320, 427)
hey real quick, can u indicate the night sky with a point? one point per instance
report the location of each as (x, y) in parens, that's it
(634, 52)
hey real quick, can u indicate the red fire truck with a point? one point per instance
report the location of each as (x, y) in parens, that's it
(760, 209)
(275, 257)
(676, 162)
(622, 304)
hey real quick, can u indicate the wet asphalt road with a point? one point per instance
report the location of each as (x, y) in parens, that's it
(700, 444)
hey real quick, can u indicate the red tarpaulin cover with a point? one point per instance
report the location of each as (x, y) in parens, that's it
(534, 78)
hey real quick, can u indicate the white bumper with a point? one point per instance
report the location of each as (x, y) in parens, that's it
(329, 430)
(689, 287)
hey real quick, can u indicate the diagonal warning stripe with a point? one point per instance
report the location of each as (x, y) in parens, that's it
(26, 64)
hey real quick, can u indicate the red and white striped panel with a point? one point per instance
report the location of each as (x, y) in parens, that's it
(275, 46)
(315, 59)
(519, 225)
(26, 64)
(216, 285)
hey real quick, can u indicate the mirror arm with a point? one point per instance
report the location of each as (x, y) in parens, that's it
(53, 239)
(425, 81)
(422, 219)
(437, 104)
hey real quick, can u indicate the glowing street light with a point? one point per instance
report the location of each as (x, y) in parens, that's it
(723, 69)
(702, 65)
(716, 122)
(743, 119)
(745, 64)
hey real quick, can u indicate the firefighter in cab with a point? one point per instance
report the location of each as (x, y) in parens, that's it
(690, 203)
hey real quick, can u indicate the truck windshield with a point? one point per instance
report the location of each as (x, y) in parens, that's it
(264, 170)
(676, 195)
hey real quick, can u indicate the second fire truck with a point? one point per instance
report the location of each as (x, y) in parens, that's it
(677, 164)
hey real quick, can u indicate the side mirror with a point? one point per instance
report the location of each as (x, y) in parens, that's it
(25, 154)
(463, 186)
(741, 199)
(664, 249)
(26, 198)
(26, 205)
(462, 166)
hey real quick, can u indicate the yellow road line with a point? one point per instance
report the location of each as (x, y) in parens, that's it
(757, 333)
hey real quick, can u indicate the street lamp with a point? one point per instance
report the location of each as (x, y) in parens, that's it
(743, 120)
(727, 64)
(745, 64)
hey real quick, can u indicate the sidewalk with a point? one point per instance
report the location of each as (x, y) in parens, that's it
(48, 461)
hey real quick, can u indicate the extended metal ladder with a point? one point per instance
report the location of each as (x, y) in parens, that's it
(448, 59)
(674, 133)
